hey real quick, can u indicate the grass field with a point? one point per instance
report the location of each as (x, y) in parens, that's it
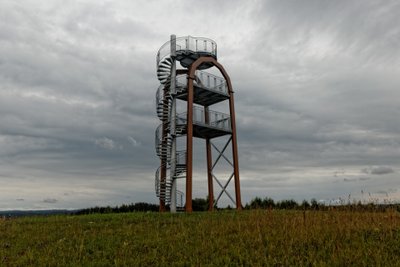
(247, 238)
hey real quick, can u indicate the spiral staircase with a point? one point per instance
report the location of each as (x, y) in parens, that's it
(208, 89)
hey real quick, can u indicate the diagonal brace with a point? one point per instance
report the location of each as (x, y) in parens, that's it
(221, 153)
(224, 189)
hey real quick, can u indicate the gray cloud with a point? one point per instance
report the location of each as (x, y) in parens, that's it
(50, 200)
(107, 143)
(378, 170)
(133, 141)
(316, 91)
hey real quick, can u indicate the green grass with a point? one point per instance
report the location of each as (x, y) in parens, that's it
(247, 238)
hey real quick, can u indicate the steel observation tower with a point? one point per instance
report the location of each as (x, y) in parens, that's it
(198, 91)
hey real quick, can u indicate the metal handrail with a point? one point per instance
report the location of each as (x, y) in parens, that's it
(179, 197)
(181, 157)
(159, 141)
(212, 82)
(205, 80)
(160, 90)
(180, 160)
(159, 94)
(188, 43)
(216, 119)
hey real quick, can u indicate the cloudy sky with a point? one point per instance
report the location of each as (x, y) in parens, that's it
(317, 97)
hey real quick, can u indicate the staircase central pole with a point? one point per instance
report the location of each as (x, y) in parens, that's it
(163, 171)
(173, 124)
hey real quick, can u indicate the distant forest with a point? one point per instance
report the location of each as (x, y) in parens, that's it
(140, 206)
(201, 204)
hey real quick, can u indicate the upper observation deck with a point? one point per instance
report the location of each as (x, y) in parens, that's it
(208, 89)
(188, 49)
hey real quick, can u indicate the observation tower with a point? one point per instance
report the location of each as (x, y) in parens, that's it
(184, 84)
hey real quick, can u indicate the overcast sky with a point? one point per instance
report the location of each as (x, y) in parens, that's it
(317, 97)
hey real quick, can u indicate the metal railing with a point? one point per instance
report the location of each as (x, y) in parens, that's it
(162, 144)
(181, 157)
(160, 94)
(179, 197)
(205, 80)
(181, 84)
(216, 119)
(188, 43)
(160, 99)
(180, 160)
(211, 82)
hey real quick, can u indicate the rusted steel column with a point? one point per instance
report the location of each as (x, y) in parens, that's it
(235, 151)
(209, 165)
(163, 174)
(234, 137)
(189, 145)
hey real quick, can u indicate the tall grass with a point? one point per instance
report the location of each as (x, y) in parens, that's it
(248, 238)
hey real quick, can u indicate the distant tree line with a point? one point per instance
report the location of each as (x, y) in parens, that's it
(201, 204)
(269, 203)
(140, 206)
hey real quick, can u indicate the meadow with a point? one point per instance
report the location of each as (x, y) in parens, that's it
(227, 238)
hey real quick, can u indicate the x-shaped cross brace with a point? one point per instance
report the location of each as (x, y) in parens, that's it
(223, 187)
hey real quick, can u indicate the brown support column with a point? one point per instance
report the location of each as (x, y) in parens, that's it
(189, 145)
(162, 185)
(235, 151)
(209, 166)
(234, 136)
(210, 177)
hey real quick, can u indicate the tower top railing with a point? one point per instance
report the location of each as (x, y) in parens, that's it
(188, 44)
